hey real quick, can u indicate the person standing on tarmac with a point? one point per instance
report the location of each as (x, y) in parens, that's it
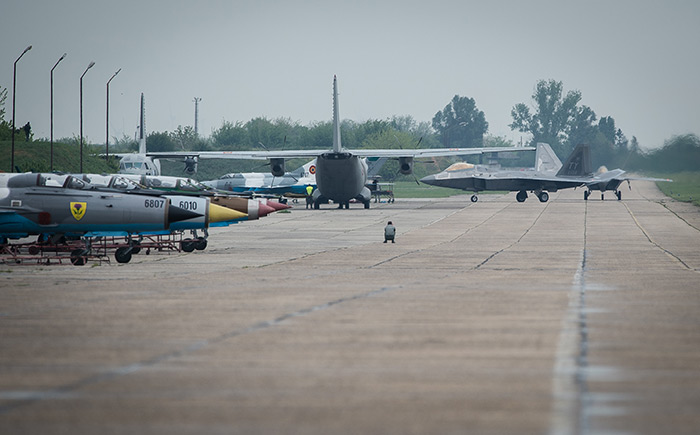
(389, 232)
(309, 198)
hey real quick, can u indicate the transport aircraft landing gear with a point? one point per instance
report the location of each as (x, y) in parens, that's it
(475, 198)
(521, 196)
(543, 196)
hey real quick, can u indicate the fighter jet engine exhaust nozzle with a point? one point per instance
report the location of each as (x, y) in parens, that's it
(277, 167)
(406, 165)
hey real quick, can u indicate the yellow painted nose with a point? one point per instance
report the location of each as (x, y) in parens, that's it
(218, 213)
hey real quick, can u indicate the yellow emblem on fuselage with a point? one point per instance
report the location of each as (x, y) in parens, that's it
(77, 209)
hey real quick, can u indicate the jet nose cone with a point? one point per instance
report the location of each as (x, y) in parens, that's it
(264, 210)
(428, 179)
(277, 205)
(218, 213)
(177, 214)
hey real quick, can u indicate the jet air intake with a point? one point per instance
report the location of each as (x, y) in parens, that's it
(406, 165)
(277, 167)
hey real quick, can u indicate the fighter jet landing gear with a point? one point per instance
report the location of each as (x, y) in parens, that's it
(619, 195)
(521, 196)
(543, 196)
(196, 242)
(586, 194)
(475, 198)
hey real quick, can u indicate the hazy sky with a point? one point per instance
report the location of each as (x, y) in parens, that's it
(634, 60)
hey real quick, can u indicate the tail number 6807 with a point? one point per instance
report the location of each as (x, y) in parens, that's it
(154, 203)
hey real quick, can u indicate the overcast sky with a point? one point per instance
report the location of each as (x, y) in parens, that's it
(634, 60)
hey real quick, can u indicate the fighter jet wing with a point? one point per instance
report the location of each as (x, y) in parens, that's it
(647, 179)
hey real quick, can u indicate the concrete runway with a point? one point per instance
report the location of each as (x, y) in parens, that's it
(489, 318)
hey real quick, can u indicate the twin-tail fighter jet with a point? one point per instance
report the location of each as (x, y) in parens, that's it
(549, 175)
(341, 174)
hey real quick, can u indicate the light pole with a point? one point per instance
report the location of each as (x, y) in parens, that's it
(54, 67)
(196, 115)
(81, 114)
(14, 79)
(107, 123)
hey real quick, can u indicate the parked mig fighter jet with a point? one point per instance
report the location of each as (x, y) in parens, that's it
(33, 203)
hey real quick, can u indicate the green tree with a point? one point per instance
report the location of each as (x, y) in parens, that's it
(680, 153)
(265, 132)
(581, 128)
(231, 137)
(460, 124)
(160, 142)
(185, 139)
(5, 127)
(552, 117)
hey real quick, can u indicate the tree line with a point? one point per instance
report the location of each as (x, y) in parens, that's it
(553, 117)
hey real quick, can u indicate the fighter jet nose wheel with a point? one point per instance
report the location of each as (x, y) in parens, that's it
(475, 198)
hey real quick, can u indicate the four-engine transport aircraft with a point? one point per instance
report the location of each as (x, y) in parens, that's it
(341, 174)
(549, 175)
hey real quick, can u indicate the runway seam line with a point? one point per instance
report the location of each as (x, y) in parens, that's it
(60, 391)
(648, 236)
(478, 266)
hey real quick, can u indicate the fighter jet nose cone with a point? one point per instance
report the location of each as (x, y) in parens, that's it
(218, 213)
(278, 205)
(177, 214)
(428, 179)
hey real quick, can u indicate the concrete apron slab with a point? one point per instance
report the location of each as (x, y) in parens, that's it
(488, 317)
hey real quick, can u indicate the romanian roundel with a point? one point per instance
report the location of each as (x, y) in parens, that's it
(312, 169)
